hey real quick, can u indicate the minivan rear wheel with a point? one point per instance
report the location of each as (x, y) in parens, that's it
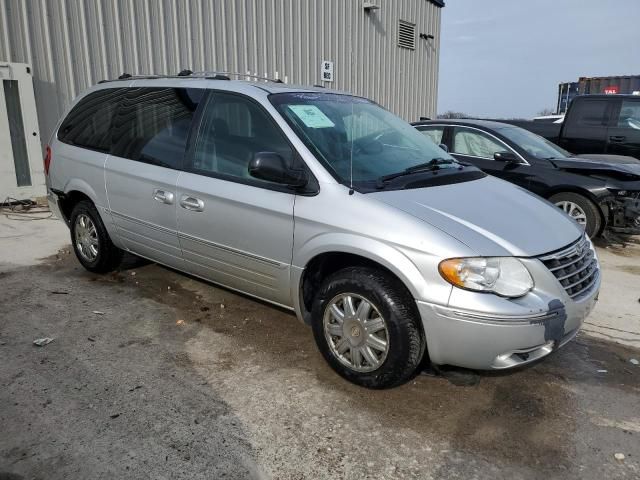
(581, 209)
(91, 242)
(367, 327)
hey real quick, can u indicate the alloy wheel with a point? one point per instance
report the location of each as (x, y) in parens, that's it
(86, 237)
(574, 211)
(356, 332)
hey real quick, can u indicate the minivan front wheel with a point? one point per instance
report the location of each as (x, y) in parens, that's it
(91, 242)
(367, 327)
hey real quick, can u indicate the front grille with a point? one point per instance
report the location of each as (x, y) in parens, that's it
(575, 267)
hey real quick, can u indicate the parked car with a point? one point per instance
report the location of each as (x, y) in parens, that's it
(601, 124)
(330, 206)
(601, 192)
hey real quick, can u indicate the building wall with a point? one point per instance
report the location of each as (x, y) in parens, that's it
(73, 44)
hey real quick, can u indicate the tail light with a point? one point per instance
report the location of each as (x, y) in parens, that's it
(47, 160)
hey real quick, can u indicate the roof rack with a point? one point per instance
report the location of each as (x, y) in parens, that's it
(186, 73)
(213, 74)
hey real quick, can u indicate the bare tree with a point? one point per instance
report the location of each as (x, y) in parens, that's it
(453, 115)
(545, 112)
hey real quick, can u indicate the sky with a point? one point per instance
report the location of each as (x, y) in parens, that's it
(505, 58)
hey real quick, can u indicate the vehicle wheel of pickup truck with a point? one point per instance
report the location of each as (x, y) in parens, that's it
(581, 209)
(90, 240)
(368, 328)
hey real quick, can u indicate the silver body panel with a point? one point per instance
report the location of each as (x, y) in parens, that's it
(144, 225)
(242, 237)
(260, 241)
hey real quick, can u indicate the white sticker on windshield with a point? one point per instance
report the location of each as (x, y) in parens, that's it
(312, 116)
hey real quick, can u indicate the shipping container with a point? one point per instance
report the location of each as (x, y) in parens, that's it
(622, 84)
(566, 92)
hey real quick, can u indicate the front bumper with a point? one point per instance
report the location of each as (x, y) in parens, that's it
(624, 214)
(486, 332)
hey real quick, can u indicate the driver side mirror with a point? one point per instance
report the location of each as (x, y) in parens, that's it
(444, 147)
(508, 157)
(272, 167)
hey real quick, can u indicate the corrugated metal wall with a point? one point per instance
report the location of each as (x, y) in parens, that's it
(73, 44)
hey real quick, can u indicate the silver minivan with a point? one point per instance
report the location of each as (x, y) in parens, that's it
(326, 204)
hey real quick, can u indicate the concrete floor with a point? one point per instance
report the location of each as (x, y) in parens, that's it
(175, 378)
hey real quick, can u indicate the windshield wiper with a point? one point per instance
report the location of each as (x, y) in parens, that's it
(429, 166)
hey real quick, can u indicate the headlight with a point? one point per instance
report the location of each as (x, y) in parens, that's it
(505, 276)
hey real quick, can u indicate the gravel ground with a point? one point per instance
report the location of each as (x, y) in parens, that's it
(152, 374)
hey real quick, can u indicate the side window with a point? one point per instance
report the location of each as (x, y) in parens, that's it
(153, 124)
(476, 143)
(232, 131)
(89, 122)
(434, 134)
(630, 115)
(591, 113)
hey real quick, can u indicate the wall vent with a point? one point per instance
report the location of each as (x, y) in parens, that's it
(407, 35)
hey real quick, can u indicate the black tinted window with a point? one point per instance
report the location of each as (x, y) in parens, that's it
(88, 123)
(152, 125)
(591, 112)
(233, 130)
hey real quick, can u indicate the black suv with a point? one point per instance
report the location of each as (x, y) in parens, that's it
(600, 191)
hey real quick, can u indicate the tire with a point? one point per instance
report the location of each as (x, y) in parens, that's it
(586, 210)
(88, 230)
(389, 300)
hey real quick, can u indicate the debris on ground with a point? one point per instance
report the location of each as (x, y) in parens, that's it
(91, 339)
(41, 342)
(619, 456)
(603, 371)
(59, 292)
(97, 312)
(180, 322)
(634, 361)
(114, 415)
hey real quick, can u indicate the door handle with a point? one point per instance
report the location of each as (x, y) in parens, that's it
(162, 196)
(617, 138)
(191, 203)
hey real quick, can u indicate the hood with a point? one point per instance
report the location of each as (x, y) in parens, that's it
(617, 166)
(492, 217)
(603, 158)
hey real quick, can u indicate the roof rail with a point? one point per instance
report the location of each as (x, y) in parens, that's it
(213, 75)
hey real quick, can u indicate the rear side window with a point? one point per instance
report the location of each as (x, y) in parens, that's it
(152, 125)
(591, 112)
(88, 123)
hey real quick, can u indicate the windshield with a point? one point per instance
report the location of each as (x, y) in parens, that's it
(534, 145)
(356, 139)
